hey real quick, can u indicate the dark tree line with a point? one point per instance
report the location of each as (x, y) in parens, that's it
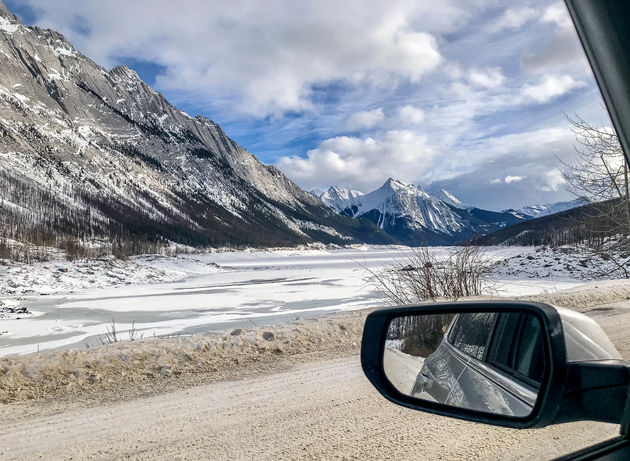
(66, 217)
(419, 335)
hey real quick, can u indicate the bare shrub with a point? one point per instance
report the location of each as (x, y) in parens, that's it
(111, 336)
(421, 276)
(133, 333)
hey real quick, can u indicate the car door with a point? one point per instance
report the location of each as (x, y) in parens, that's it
(495, 374)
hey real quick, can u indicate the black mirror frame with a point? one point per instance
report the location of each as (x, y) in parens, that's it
(551, 391)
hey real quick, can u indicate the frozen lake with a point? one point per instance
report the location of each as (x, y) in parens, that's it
(217, 291)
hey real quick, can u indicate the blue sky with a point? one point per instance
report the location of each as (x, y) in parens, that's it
(468, 95)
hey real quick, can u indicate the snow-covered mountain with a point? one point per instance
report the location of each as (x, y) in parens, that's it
(538, 211)
(339, 198)
(414, 216)
(87, 153)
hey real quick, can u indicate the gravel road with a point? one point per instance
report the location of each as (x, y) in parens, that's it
(323, 410)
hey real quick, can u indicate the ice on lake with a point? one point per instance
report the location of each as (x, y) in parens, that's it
(217, 291)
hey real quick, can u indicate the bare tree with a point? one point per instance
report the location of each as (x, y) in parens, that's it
(600, 173)
(419, 335)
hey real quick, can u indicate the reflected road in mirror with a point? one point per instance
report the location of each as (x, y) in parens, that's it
(486, 361)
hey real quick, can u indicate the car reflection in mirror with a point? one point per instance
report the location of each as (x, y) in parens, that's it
(492, 362)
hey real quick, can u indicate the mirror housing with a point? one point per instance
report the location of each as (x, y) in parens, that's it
(569, 391)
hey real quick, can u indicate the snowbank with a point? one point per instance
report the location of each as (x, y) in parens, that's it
(52, 373)
(587, 297)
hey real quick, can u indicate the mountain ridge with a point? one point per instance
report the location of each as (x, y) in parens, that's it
(569, 227)
(87, 153)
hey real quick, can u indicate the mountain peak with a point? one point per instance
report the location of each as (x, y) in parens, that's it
(447, 197)
(337, 189)
(342, 192)
(395, 184)
(398, 187)
(450, 196)
(339, 198)
(124, 71)
(545, 209)
(6, 17)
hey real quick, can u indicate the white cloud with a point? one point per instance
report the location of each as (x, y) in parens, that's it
(557, 14)
(536, 148)
(509, 179)
(561, 50)
(406, 116)
(410, 115)
(496, 181)
(262, 57)
(361, 163)
(491, 77)
(552, 86)
(552, 180)
(513, 18)
(365, 119)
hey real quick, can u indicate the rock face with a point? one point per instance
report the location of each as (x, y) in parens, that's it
(415, 217)
(94, 154)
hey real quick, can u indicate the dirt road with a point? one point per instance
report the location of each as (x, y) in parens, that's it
(319, 411)
(318, 408)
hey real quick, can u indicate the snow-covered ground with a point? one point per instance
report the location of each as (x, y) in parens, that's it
(567, 262)
(71, 304)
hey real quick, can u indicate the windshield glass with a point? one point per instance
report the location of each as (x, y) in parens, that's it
(200, 202)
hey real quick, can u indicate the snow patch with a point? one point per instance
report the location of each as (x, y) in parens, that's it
(62, 51)
(7, 26)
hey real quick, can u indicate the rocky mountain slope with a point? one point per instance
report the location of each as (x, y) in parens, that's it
(414, 216)
(88, 154)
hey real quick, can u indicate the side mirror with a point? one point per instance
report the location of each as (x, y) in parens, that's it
(512, 364)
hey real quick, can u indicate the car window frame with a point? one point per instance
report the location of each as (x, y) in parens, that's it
(511, 372)
(457, 324)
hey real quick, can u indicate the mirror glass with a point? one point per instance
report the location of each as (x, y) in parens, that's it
(486, 361)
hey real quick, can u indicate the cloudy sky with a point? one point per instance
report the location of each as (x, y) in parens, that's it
(467, 94)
